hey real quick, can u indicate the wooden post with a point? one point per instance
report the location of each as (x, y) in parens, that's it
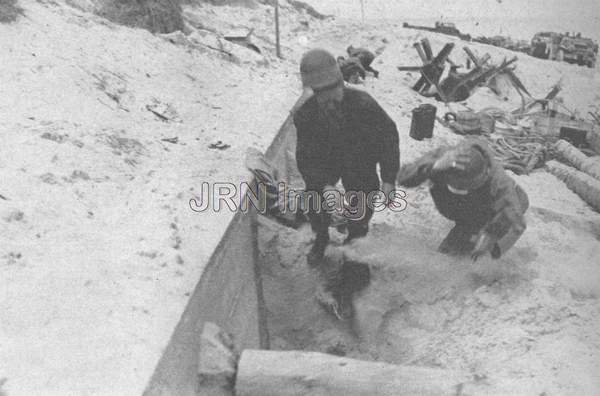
(277, 44)
(362, 11)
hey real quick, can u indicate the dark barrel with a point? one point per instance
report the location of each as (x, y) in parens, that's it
(423, 119)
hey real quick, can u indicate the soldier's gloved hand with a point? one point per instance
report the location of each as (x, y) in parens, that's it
(484, 245)
(408, 176)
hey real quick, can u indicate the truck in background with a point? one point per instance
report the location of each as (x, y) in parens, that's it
(565, 48)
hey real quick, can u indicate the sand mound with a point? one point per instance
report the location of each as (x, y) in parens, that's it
(9, 11)
(157, 16)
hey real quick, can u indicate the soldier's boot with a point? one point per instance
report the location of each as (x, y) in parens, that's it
(458, 241)
(317, 251)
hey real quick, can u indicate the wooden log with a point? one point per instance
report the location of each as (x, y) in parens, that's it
(292, 373)
(593, 139)
(577, 158)
(421, 85)
(472, 57)
(421, 53)
(581, 183)
(440, 58)
(410, 68)
(427, 48)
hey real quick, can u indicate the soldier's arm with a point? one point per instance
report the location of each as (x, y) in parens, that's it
(417, 172)
(386, 134)
(305, 163)
(508, 223)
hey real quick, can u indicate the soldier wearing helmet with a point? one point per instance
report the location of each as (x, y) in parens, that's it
(342, 133)
(472, 189)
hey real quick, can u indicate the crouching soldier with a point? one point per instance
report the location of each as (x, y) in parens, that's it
(365, 56)
(471, 188)
(352, 70)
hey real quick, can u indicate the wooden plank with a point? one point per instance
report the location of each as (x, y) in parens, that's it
(410, 68)
(421, 53)
(427, 48)
(291, 373)
(422, 84)
(443, 54)
(472, 56)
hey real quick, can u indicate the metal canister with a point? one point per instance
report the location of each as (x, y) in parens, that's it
(577, 137)
(423, 120)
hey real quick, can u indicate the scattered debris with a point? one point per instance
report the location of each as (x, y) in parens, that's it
(447, 28)
(114, 86)
(3, 197)
(219, 145)
(470, 122)
(49, 178)
(15, 215)
(152, 254)
(12, 257)
(517, 148)
(125, 145)
(79, 174)
(242, 37)
(164, 111)
(55, 137)
(173, 140)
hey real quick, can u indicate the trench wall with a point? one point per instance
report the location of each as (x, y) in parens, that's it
(229, 293)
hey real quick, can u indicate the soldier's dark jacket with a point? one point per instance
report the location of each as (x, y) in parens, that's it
(350, 66)
(496, 208)
(365, 56)
(351, 148)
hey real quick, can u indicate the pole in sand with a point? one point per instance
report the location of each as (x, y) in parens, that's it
(277, 45)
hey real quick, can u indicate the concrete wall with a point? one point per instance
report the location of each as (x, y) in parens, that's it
(229, 294)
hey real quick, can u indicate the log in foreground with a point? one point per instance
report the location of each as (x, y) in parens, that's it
(579, 182)
(287, 373)
(578, 159)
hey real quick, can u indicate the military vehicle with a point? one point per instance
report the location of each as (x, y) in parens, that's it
(578, 50)
(545, 45)
(565, 47)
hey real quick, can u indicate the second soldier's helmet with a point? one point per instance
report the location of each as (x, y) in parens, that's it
(476, 171)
